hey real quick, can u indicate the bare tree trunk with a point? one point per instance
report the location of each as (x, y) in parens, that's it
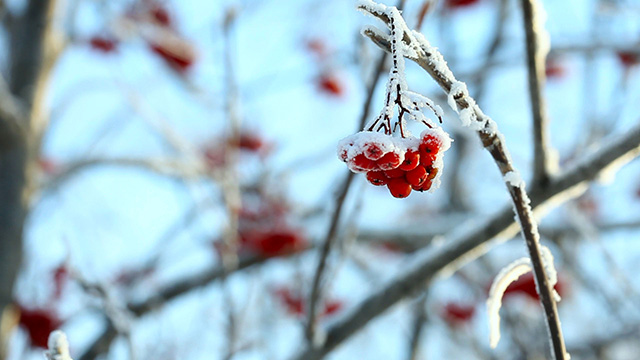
(27, 32)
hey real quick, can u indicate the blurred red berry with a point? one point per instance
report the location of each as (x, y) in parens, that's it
(38, 323)
(293, 303)
(250, 142)
(526, 285)
(457, 314)
(459, 3)
(331, 307)
(47, 166)
(331, 84)
(103, 44)
(160, 15)
(179, 60)
(554, 69)
(317, 47)
(628, 59)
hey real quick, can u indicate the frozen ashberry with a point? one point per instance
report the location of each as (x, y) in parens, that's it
(628, 59)
(411, 160)
(432, 172)
(390, 160)
(399, 188)
(426, 185)
(417, 176)
(373, 151)
(394, 173)
(377, 178)
(360, 162)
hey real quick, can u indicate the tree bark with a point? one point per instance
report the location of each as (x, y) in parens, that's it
(26, 48)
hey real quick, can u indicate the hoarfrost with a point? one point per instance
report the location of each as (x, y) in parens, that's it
(58, 346)
(500, 284)
(457, 88)
(514, 179)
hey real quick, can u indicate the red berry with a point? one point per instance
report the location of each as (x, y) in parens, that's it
(103, 44)
(432, 172)
(417, 176)
(331, 84)
(411, 160)
(457, 314)
(160, 15)
(343, 155)
(390, 160)
(377, 178)
(360, 162)
(39, 324)
(399, 188)
(250, 142)
(394, 173)
(554, 69)
(460, 3)
(331, 307)
(279, 242)
(177, 58)
(373, 152)
(628, 59)
(293, 303)
(426, 185)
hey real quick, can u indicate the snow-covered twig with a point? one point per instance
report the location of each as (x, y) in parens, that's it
(58, 346)
(537, 44)
(471, 115)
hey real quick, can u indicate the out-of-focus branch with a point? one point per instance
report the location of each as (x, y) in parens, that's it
(12, 112)
(537, 44)
(167, 167)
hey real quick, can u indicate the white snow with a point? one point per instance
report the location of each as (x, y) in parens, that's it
(58, 346)
(514, 179)
(500, 284)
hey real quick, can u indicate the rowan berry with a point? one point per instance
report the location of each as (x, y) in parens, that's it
(411, 160)
(361, 163)
(399, 188)
(390, 160)
(417, 176)
(394, 173)
(373, 151)
(377, 178)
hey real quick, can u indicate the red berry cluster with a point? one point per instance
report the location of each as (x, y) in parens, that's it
(402, 164)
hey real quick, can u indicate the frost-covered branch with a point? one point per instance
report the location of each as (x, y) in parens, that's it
(471, 115)
(58, 347)
(472, 242)
(537, 44)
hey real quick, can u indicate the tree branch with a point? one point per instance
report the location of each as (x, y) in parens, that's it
(537, 44)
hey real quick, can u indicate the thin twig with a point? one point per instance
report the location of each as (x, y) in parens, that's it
(537, 44)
